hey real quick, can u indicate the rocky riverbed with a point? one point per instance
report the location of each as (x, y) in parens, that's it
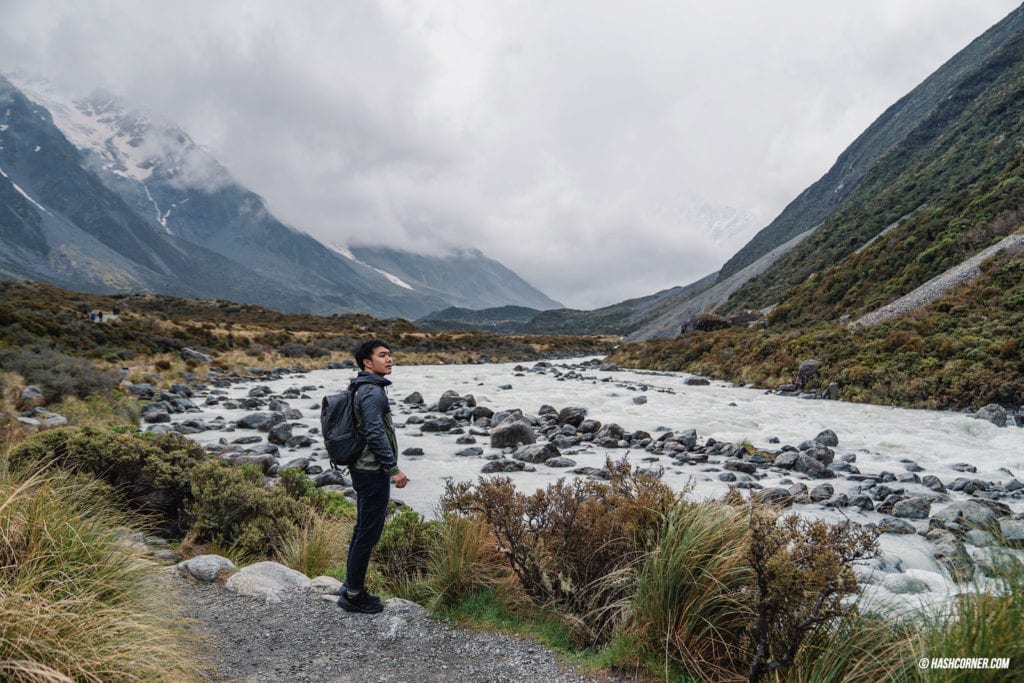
(937, 502)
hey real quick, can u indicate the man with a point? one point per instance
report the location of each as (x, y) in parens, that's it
(373, 472)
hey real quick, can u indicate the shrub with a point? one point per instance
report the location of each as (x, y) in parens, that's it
(803, 571)
(57, 374)
(76, 604)
(403, 552)
(232, 506)
(561, 540)
(150, 471)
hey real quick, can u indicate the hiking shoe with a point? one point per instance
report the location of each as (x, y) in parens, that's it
(360, 602)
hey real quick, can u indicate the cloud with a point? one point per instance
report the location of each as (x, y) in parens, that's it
(601, 150)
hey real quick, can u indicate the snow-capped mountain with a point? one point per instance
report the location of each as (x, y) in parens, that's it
(181, 191)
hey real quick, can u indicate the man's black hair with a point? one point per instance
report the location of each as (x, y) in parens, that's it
(365, 350)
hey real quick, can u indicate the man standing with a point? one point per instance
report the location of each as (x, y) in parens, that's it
(373, 472)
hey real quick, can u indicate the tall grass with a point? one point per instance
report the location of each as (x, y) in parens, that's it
(75, 603)
(859, 647)
(464, 559)
(689, 600)
(317, 546)
(986, 622)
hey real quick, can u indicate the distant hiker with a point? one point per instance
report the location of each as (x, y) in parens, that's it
(99, 316)
(92, 316)
(373, 473)
(117, 310)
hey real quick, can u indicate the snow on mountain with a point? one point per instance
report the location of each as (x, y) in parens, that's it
(344, 251)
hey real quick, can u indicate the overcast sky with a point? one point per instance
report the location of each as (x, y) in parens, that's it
(602, 150)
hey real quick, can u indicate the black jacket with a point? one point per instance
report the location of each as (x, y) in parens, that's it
(374, 414)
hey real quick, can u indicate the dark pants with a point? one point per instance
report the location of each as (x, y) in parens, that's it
(373, 490)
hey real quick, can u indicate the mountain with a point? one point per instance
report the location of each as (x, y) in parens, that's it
(812, 212)
(911, 291)
(181, 195)
(467, 278)
(500, 320)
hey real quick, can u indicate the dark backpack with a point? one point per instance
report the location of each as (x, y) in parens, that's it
(339, 426)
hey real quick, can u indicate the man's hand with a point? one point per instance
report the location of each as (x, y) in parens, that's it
(399, 480)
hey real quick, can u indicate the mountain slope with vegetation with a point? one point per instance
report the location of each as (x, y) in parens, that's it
(951, 188)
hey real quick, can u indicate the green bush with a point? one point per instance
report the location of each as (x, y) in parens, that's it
(403, 552)
(233, 506)
(151, 472)
(56, 374)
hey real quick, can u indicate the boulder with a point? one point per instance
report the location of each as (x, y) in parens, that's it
(1012, 532)
(950, 552)
(811, 467)
(280, 433)
(267, 580)
(912, 508)
(439, 424)
(560, 462)
(573, 415)
(994, 413)
(414, 399)
(205, 567)
(807, 370)
(31, 396)
(331, 477)
(536, 453)
(503, 465)
(827, 438)
(968, 513)
(822, 492)
(774, 496)
(191, 354)
(510, 433)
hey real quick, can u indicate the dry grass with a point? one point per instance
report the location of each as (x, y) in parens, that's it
(75, 602)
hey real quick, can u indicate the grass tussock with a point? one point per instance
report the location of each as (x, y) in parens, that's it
(75, 603)
(317, 546)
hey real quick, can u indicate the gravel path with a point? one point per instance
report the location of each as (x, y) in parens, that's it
(306, 638)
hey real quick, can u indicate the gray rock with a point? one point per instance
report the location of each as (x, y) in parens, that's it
(787, 460)
(994, 413)
(31, 395)
(890, 525)
(968, 513)
(439, 424)
(414, 399)
(950, 552)
(191, 354)
(508, 434)
(473, 451)
(589, 427)
(696, 382)
(775, 496)
(560, 462)
(413, 451)
(827, 438)
(331, 477)
(1012, 532)
(280, 433)
(740, 466)
(536, 453)
(205, 567)
(573, 415)
(822, 492)
(267, 580)
(807, 370)
(503, 465)
(639, 400)
(912, 508)
(811, 467)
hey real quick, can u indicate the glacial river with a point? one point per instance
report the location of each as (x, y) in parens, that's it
(881, 438)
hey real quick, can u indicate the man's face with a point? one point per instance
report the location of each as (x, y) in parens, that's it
(379, 362)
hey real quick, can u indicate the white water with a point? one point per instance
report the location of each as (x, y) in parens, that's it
(879, 436)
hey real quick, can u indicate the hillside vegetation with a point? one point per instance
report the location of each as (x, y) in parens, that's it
(952, 187)
(39, 315)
